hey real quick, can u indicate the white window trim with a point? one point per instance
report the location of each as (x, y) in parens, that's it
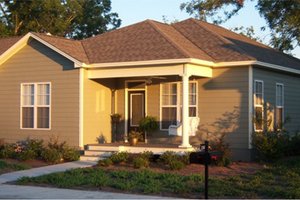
(258, 105)
(279, 84)
(35, 106)
(178, 100)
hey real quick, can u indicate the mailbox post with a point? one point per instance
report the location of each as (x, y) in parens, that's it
(207, 160)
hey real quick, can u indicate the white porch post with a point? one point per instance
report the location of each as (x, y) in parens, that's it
(185, 111)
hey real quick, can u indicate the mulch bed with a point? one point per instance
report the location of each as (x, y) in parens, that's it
(236, 168)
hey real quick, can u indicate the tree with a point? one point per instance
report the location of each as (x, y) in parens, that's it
(282, 17)
(71, 18)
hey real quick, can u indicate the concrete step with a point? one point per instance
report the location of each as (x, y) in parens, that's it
(97, 153)
(90, 158)
(103, 148)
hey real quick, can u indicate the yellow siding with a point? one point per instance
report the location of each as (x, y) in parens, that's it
(97, 110)
(37, 63)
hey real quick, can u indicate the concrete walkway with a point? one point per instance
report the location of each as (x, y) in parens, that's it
(32, 192)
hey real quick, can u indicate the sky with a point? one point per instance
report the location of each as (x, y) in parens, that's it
(133, 11)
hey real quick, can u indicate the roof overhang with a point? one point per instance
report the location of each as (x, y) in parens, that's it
(193, 61)
(23, 42)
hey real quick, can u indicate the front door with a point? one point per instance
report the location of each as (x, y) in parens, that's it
(136, 109)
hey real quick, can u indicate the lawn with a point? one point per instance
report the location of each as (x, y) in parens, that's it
(278, 180)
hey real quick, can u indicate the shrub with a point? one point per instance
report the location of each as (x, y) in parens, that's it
(119, 157)
(52, 156)
(55, 144)
(293, 147)
(140, 162)
(176, 165)
(270, 146)
(36, 146)
(7, 151)
(27, 154)
(105, 162)
(70, 154)
(223, 148)
(146, 155)
(173, 160)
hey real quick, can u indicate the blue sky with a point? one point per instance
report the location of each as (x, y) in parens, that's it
(133, 11)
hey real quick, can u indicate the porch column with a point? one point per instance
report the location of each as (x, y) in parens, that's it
(185, 111)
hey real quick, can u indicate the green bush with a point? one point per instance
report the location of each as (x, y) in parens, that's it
(52, 156)
(174, 161)
(7, 151)
(140, 162)
(222, 147)
(54, 143)
(119, 157)
(36, 146)
(26, 155)
(70, 154)
(146, 155)
(105, 162)
(176, 165)
(270, 146)
(293, 147)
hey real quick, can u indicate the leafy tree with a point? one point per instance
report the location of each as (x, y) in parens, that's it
(282, 17)
(248, 32)
(72, 18)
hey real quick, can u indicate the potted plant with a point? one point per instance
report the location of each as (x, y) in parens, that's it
(148, 124)
(134, 137)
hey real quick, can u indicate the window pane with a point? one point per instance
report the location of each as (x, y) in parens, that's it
(28, 95)
(43, 94)
(27, 117)
(192, 99)
(43, 117)
(258, 118)
(279, 121)
(169, 117)
(192, 87)
(192, 111)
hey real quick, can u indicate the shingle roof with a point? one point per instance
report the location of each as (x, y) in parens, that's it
(151, 40)
(232, 46)
(71, 47)
(6, 43)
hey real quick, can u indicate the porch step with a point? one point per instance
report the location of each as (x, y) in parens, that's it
(90, 158)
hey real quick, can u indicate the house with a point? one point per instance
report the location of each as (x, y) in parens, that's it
(187, 72)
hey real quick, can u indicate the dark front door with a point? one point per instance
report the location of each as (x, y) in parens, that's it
(136, 109)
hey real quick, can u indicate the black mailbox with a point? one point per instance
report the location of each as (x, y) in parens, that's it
(200, 157)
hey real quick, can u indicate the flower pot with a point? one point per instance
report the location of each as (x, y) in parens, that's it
(133, 141)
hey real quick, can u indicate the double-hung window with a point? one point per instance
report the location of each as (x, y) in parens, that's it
(35, 105)
(279, 112)
(258, 104)
(171, 103)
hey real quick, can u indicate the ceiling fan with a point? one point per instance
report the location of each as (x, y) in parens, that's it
(149, 79)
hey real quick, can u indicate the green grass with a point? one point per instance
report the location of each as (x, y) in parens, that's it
(8, 167)
(280, 180)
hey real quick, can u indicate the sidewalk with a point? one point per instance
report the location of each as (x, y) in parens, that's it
(32, 192)
(44, 170)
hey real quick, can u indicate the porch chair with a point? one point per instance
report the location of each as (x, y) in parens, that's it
(176, 130)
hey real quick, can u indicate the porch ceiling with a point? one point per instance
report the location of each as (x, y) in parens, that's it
(165, 70)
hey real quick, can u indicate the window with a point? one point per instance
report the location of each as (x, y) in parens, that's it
(35, 105)
(279, 106)
(258, 104)
(171, 106)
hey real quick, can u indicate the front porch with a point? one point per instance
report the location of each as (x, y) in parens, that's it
(167, 92)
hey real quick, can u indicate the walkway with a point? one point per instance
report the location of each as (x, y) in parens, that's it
(31, 192)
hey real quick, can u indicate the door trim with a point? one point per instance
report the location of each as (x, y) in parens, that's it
(126, 102)
(132, 93)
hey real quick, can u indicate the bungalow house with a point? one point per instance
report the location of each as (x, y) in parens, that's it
(199, 80)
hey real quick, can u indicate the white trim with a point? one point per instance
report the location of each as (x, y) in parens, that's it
(250, 106)
(258, 105)
(276, 105)
(35, 105)
(81, 107)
